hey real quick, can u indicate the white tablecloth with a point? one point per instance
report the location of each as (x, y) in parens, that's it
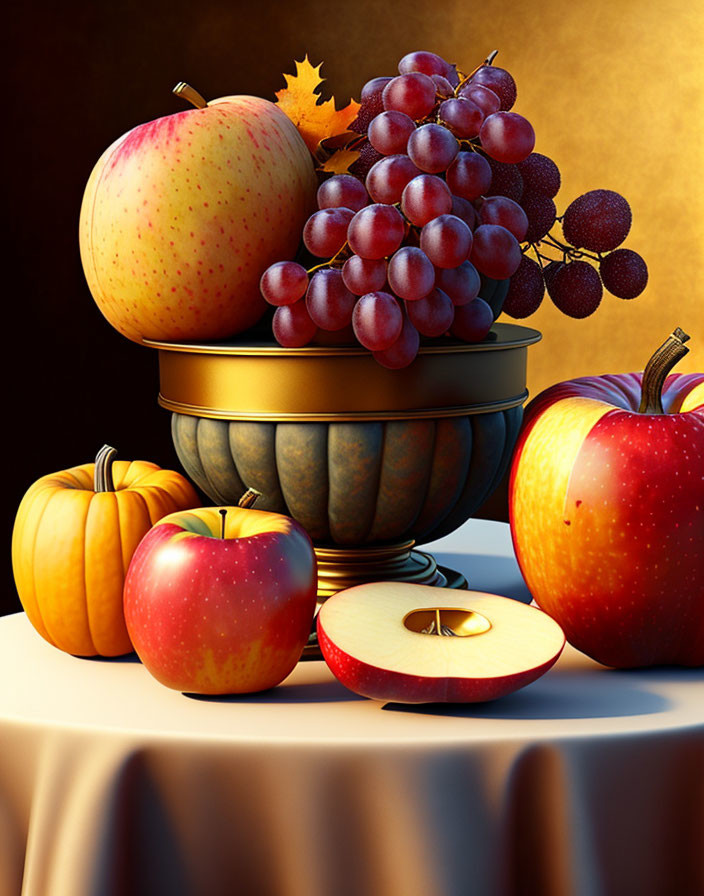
(589, 781)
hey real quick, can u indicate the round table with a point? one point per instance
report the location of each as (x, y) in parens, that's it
(589, 781)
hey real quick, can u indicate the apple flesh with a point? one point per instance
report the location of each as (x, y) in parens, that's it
(606, 507)
(372, 637)
(218, 615)
(182, 215)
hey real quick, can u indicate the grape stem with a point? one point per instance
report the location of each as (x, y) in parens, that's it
(488, 61)
(336, 259)
(567, 250)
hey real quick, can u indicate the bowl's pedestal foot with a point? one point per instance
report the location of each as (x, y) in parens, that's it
(340, 568)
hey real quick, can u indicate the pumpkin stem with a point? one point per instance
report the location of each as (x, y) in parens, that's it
(223, 515)
(191, 94)
(249, 497)
(663, 360)
(102, 475)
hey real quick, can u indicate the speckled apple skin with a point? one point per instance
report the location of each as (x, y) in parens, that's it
(377, 683)
(607, 517)
(221, 616)
(182, 215)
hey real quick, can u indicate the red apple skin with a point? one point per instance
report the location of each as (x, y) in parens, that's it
(377, 683)
(182, 215)
(606, 507)
(216, 616)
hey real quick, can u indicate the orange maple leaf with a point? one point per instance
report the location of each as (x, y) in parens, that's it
(315, 118)
(340, 161)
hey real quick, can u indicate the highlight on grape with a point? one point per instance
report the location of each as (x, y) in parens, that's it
(447, 186)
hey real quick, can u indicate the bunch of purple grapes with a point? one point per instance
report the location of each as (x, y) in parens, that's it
(446, 188)
(593, 226)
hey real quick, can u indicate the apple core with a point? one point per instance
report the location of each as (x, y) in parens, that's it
(446, 621)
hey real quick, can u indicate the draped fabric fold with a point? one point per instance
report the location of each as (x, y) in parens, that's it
(589, 782)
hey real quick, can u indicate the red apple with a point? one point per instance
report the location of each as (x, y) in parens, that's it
(182, 215)
(606, 501)
(214, 614)
(381, 641)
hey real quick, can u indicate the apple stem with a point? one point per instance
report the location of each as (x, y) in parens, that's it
(102, 475)
(663, 360)
(191, 94)
(223, 517)
(249, 497)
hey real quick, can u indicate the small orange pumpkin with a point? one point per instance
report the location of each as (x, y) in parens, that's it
(72, 542)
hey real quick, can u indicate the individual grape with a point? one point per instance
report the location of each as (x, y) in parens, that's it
(525, 291)
(462, 284)
(576, 289)
(498, 80)
(549, 272)
(325, 232)
(446, 240)
(403, 351)
(540, 174)
(292, 325)
(371, 104)
(506, 180)
(373, 90)
(433, 314)
(424, 198)
(368, 156)
(377, 321)
(442, 85)
(328, 301)
(464, 209)
(624, 273)
(541, 213)
(423, 61)
(598, 220)
(472, 321)
(388, 177)
(504, 211)
(495, 251)
(363, 275)
(411, 273)
(412, 94)
(432, 148)
(376, 231)
(461, 116)
(366, 114)
(389, 132)
(284, 283)
(486, 99)
(469, 176)
(507, 137)
(342, 191)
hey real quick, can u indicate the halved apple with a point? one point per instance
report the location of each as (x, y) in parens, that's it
(407, 643)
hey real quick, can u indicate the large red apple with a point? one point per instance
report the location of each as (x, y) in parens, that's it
(182, 215)
(215, 608)
(606, 501)
(418, 644)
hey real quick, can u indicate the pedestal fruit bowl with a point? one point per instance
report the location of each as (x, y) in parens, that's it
(369, 460)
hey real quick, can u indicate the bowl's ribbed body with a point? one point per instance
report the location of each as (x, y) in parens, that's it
(358, 454)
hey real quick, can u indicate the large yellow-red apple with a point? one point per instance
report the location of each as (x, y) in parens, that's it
(217, 607)
(182, 215)
(606, 501)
